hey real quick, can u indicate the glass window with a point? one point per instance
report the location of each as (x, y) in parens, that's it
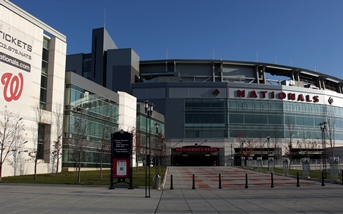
(236, 118)
(45, 55)
(41, 139)
(44, 74)
(275, 119)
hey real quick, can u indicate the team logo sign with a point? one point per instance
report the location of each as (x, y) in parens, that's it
(13, 86)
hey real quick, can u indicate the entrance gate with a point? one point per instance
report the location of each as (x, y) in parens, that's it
(195, 156)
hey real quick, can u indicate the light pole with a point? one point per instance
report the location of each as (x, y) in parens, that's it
(268, 144)
(242, 154)
(148, 107)
(323, 129)
(157, 147)
(231, 159)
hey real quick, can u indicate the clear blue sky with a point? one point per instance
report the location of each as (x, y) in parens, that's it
(304, 33)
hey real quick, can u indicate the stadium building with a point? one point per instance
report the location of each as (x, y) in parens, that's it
(216, 110)
(219, 110)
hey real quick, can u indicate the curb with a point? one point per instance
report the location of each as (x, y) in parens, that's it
(164, 178)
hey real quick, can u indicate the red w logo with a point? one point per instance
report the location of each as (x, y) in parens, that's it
(13, 86)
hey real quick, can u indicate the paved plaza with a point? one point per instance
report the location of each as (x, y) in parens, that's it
(201, 196)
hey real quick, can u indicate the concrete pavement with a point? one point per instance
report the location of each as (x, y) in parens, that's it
(206, 197)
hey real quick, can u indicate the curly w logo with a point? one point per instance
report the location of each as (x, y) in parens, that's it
(13, 86)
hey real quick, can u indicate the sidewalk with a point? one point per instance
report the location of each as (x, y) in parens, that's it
(33, 199)
(259, 197)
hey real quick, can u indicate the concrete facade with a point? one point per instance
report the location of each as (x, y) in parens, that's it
(23, 38)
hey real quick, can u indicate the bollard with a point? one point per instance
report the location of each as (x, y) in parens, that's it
(323, 184)
(298, 179)
(342, 177)
(193, 187)
(246, 180)
(220, 182)
(272, 179)
(171, 182)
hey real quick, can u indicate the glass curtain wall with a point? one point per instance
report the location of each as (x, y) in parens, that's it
(206, 118)
(238, 118)
(147, 132)
(99, 117)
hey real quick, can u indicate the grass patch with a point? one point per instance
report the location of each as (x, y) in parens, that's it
(87, 177)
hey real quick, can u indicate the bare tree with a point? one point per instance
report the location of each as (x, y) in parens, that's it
(79, 142)
(59, 132)
(11, 132)
(104, 147)
(275, 136)
(18, 160)
(330, 128)
(306, 145)
(159, 147)
(250, 146)
(137, 145)
(240, 141)
(290, 126)
(39, 138)
(261, 141)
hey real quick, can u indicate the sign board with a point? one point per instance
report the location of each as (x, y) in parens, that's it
(121, 157)
(122, 144)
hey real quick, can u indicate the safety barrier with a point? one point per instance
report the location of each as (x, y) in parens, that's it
(246, 181)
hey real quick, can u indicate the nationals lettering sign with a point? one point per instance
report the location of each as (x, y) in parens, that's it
(278, 95)
(196, 149)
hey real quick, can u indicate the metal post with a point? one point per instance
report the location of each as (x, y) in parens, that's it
(272, 180)
(111, 176)
(323, 129)
(149, 182)
(171, 182)
(246, 180)
(268, 137)
(231, 158)
(193, 187)
(146, 157)
(220, 182)
(148, 106)
(323, 184)
(298, 185)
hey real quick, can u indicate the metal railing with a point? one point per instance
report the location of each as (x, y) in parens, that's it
(296, 164)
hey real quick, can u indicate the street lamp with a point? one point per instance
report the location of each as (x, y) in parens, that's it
(231, 159)
(157, 147)
(242, 154)
(323, 129)
(268, 144)
(148, 107)
(156, 124)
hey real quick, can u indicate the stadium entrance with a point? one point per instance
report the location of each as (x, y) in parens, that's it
(195, 156)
